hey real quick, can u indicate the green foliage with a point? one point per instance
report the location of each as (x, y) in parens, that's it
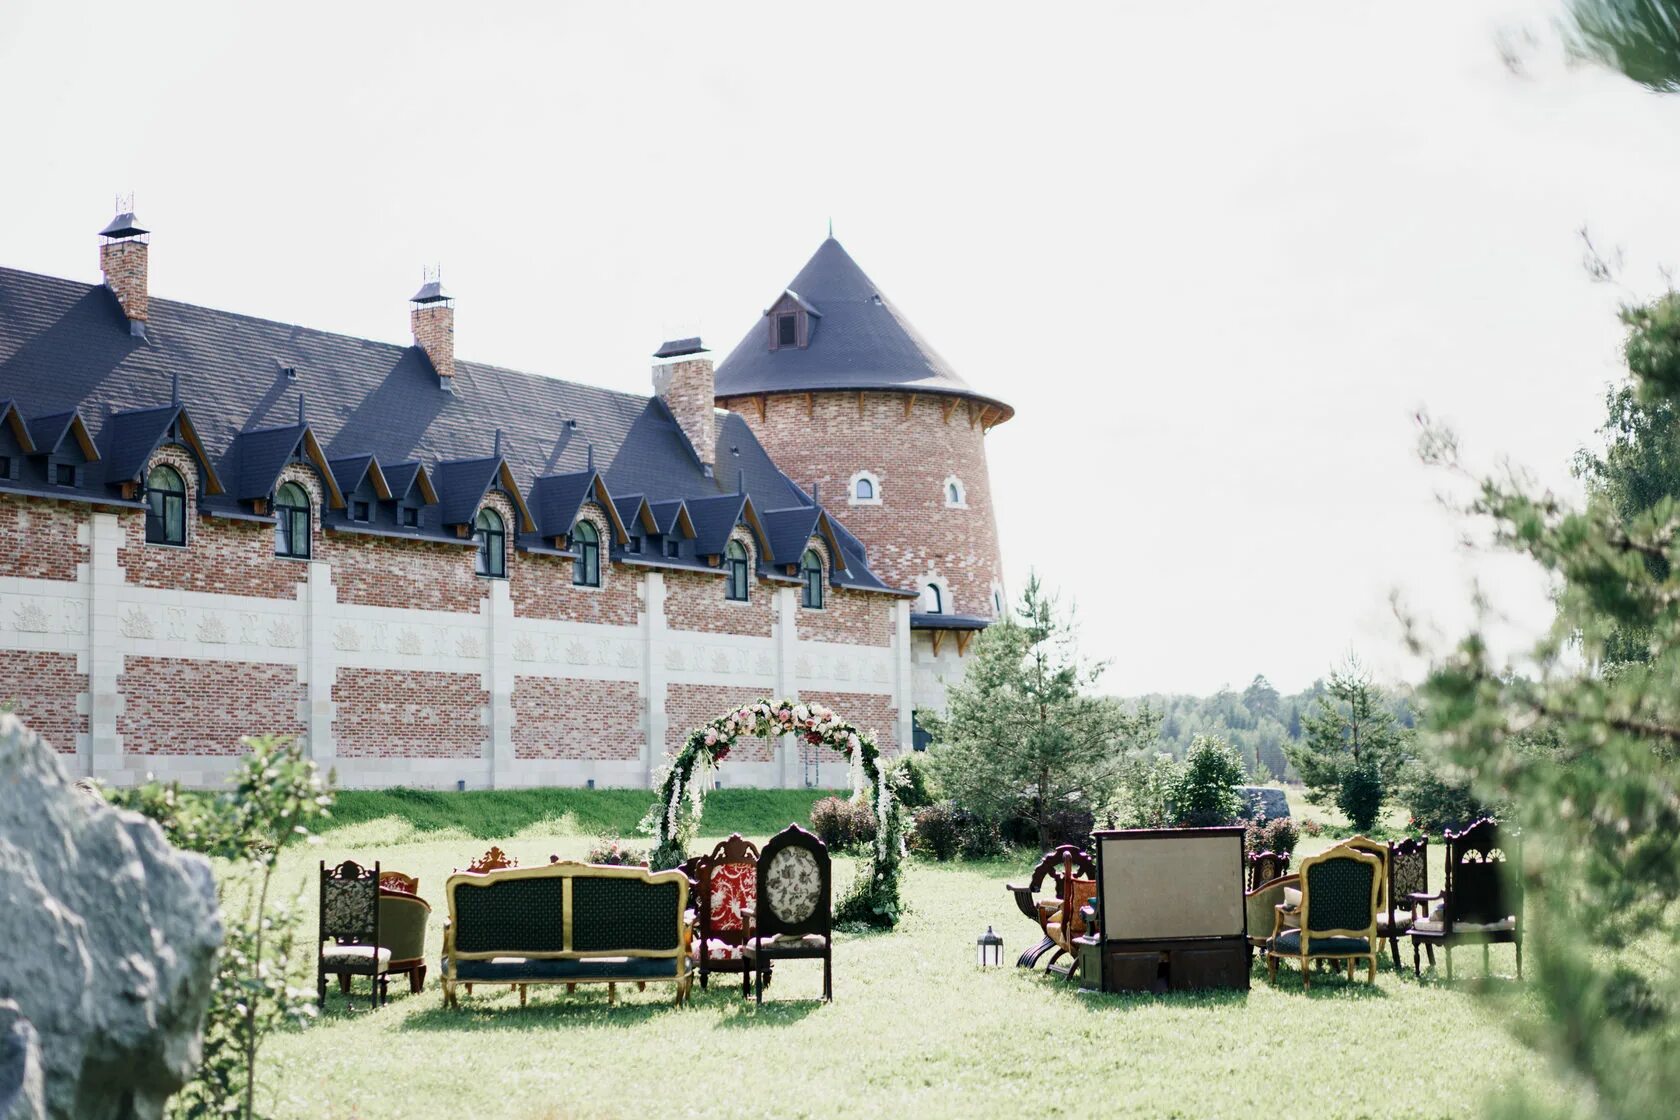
(1149, 781)
(275, 797)
(1276, 835)
(943, 829)
(614, 852)
(1588, 756)
(1639, 38)
(1023, 737)
(1437, 797)
(843, 824)
(1352, 724)
(1360, 795)
(1207, 786)
(912, 778)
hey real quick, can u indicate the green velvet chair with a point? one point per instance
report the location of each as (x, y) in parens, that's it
(1337, 916)
(403, 918)
(1263, 902)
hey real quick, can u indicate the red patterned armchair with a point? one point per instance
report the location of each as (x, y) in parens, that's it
(726, 883)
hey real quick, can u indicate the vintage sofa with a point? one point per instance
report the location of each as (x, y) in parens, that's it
(566, 923)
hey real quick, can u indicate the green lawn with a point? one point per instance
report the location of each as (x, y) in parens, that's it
(915, 1029)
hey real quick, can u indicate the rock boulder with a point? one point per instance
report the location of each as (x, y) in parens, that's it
(110, 939)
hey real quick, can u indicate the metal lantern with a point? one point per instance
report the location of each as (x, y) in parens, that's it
(989, 949)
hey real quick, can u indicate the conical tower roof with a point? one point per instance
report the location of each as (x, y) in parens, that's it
(858, 339)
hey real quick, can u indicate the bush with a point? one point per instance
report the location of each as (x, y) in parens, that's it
(1360, 795)
(1148, 783)
(981, 838)
(1276, 835)
(938, 830)
(1207, 789)
(1311, 827)
(613, 852)
(912, 781)
(843, 824)
(1064, 826)
(1436, 801)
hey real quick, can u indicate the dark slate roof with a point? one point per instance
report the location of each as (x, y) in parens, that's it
(789, 530)
(923, 621)
(858, 340)
(65, 346)
(714, 518)
(48, 432)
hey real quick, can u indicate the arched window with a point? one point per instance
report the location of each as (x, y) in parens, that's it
(586, 542)
(492, 544)
(735, 557)
(865, 489)
(811, 594)
(291, 522)
(997, 603)
(955, 495)
(933, 599)
(166, 506)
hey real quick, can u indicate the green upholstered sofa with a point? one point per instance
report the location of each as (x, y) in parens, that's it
(566, 923)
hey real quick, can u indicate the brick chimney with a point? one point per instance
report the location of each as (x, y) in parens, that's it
(684, 379)
(433, 320)
(122, 258)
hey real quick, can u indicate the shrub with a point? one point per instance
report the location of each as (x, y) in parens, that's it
(613, 852)
(981, 838)
(1072, 825)
(843, 824)
(1436, 801)
(1311, 827)
(1148, 783)
(913, 783)
(1276, 835)
(1207, 789)
(938, 830)
(1360, 795)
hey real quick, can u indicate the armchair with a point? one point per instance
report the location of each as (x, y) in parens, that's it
(1481, 903)
(1263, 903)
(1337, 917)
(1074, 876)
(402, 930)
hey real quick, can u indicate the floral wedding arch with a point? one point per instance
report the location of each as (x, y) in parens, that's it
(874, 895)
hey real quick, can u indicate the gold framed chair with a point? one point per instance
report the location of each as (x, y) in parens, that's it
(1337, 916)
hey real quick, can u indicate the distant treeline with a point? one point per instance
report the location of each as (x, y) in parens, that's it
(1258, 721)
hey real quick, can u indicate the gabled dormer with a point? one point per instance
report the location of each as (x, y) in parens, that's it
(15, 443)
(791, 321)
(366, 491)
(130, 439)
(411, 492)
(259, 457)
(64, 447)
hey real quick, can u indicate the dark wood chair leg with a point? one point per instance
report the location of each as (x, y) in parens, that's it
(1417, 961)
(1394, 951)
(320, 988)
(1519, 957)
(758, 984)
(344, 983)
(828, 977)
(1429, 947)
(1447, 949)
(417, 979)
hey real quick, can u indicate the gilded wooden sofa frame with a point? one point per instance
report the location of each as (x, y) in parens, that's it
(568, 871)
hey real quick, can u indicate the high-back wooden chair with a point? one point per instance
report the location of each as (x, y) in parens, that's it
(1480, 902)
(349, 919)
(1073, 876)
(1263, 867)
(726, 882)
(1408, 878)
(793, 914)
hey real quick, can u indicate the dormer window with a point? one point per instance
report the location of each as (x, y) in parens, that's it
(291, 522)
(790, 323)
(736, 568)
(360, 510)
(586, 542)
(166, 506)
(492, 544)
(811, 581)
(787, 329)
(409, 517)
(633, 545)
(64, 474)
(673, 548)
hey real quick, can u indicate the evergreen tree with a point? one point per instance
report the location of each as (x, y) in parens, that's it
(1351, 747)
(1590, 756)
(1023, 735)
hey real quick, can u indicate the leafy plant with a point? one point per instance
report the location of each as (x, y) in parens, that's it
(938, 830)
(843, 824)
(1360, 796)
(1207, 786)
(274, 798)
(1148, 783)
(1438, 798)
(614, 852)
(1278, 834)
(913, 780)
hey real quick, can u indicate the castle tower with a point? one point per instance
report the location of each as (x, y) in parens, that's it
(852, 402)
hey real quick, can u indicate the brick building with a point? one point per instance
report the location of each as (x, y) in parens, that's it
(437, 571)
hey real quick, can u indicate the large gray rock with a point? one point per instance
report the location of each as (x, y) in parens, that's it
(1263, 801)
(21, 1094)
(108, 940)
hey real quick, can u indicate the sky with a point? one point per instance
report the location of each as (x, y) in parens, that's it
(1217, 255)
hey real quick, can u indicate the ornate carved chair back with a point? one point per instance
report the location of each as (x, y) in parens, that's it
(1481, 883)
(795, 886)
(350, 903)
(1263, 867)
(1408, 873)
(397, 881)
(729, 888)
(493, 860)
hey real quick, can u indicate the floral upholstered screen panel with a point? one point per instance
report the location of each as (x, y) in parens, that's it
(734, 888)
(349, 902)
(793, 885)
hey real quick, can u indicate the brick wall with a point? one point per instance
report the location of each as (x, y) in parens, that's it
(912, 531)
(381, 572)
(687, 706)
(562, 717)
(399, 713)
(178, 706)
(871, 711)
(687, 387)
(856, 618)
(542, 585)
(38, 539)
(697, 602)
(42, 690)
